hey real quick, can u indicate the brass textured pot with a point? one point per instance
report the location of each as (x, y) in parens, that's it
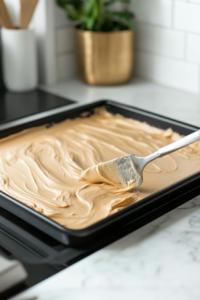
(105, 58)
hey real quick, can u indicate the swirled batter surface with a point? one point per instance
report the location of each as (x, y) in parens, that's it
(41, 167)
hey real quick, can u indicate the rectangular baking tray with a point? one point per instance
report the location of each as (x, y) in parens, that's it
(137, 214)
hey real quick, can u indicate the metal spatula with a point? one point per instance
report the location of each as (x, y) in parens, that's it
(126, 172)
(27, 11)
(5, 19)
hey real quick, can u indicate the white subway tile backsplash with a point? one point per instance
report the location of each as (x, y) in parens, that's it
(61, 17)
(169, 72)
(187, 17)
(167, 43)
(66, 66)
(65, 40)
(153, 11)
(160, 40)
(193, 48)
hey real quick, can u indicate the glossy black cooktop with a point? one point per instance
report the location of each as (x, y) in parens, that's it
(18, 105)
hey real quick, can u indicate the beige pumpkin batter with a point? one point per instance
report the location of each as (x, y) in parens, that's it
(41, 167)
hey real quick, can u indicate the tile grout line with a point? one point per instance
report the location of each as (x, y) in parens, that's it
(172, 16)
(159, 55)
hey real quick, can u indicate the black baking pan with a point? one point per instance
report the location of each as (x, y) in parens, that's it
(147, 209)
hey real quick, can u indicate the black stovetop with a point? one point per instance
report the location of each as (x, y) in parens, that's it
(18, 105)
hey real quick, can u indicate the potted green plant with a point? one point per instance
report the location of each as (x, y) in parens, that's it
(104, 40)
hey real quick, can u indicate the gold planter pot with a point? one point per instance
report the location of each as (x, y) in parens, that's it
(105, 58)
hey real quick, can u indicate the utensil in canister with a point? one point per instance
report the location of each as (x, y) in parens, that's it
(126, 172)
(5, 19)
(19, 60)
(27, 11)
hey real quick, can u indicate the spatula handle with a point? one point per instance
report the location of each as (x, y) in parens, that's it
(187, 140)
(5, 18)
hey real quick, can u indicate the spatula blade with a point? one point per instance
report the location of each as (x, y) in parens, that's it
(27, 11)
(126, 173)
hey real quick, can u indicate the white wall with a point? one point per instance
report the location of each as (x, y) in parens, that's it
(168, 42)
(65, 46)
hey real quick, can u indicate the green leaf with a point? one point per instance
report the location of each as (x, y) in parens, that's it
(76, 3)
(110, 2)
(122, 14)
(96, 15)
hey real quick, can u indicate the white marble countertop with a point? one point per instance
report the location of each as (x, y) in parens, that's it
(161, 260)
(143, 94)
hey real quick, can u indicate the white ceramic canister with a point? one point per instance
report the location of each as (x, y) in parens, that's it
(19, 59)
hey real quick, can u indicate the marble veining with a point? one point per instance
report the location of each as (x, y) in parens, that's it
(159, 261)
